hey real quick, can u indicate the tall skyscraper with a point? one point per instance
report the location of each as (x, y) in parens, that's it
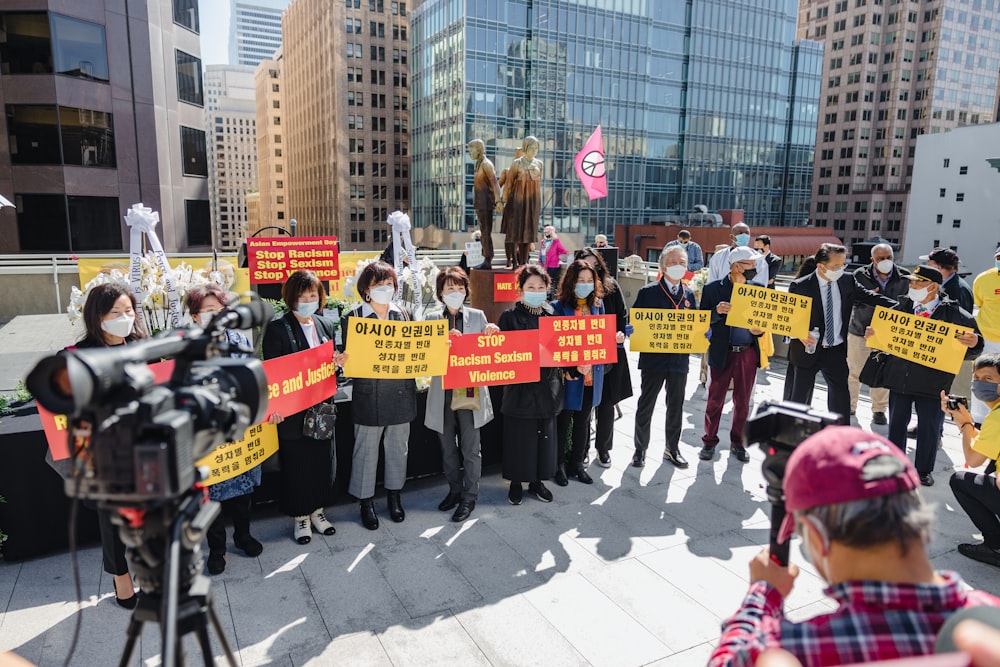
(709, 103)
(271, 206)
(893, 71)
(104, 107)
(345, 79)
(231, 121)
(254, 30)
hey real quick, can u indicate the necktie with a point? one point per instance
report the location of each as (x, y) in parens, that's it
(829, 314)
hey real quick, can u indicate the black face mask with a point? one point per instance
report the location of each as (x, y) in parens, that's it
(749, 274)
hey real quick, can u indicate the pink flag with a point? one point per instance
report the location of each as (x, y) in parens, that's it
(589, 164)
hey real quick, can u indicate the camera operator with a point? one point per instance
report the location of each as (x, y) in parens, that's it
(978, 493)
(865, 529)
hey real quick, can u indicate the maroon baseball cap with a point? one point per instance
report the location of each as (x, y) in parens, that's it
(840, 464)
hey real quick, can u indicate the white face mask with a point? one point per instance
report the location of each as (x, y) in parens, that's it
(454, 300)
(382, 294)
(917, 295)
(120, 326)
(884, 267)
(676, 272)
(834, 274)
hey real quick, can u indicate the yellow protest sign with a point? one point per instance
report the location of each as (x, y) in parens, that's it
(755, 307)
(234, 458)
(919, 339)
(668, 330)
(393, 349)
(235, 279)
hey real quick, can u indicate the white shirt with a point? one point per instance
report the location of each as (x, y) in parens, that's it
(718, 268)
(309, 331)
(837, 319)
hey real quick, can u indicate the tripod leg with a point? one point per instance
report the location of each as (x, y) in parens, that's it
(134, 630)
(222, 636)
(206, 646)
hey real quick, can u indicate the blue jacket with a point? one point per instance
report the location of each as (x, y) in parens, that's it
(573, 395)
(653, 296)
(696, 258)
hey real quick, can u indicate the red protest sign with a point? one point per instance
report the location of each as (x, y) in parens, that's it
(509, 357)
(272, 260)
(505, 288)
(577, 341)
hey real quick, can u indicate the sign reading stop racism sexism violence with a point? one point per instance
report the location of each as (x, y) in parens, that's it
(577, 341)
(273, 260)
(508, 357)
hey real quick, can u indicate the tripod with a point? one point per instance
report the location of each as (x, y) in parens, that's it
(166, 541)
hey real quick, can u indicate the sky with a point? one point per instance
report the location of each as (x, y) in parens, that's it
(214, 18)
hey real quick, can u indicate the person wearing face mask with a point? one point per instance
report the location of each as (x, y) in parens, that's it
(854, 500)
(307, 465)
(718, 265)
(663, 369)
(915, 387)
(883, 276)
(551, 254)
(762, 244)
(109, 318)
(529, 408)
(986, 295)
(733, 356)
(579, 294)
(442, 418)
(601, 241)
(463, 262)
(695, 257)
(382, 409)
(979, 493)
(833, 293)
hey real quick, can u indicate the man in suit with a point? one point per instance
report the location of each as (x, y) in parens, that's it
(833, 294)
(762, 244)
(733, 355)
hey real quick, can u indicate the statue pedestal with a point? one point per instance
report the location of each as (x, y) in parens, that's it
(481, 292)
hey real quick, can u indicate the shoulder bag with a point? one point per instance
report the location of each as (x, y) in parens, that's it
(873, 373)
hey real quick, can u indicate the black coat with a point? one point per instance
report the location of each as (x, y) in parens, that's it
(653, 296)
(958, 290)
(851, 293)
(530, 400)
(276, 343)
(617, 378)
(907, 377)
(711, 296)
(773, 268)
(896, 286)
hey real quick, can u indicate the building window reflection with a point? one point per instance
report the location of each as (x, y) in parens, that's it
(41, 134)
(186, 14)
(27, 48)
(198, 218)
(193, 154)
(79, 48)
(189, 84)
(57, 223)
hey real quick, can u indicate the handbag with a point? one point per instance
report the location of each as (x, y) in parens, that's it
(320, 421)
(465, 399)
(873, 372)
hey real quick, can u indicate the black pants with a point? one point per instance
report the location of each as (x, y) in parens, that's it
(832, 362)
(112, 547)
(980, 498)
(580, 438)
(604, 438)
(237, 509)
(928, 409)
(652, 382)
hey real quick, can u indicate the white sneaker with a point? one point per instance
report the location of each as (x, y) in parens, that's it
(302, 532)
(321, 524)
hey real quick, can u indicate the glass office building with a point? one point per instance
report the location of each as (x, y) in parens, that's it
(700, 101)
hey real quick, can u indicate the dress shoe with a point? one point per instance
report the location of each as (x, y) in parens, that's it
(581, 474)
(603, 458)
(540, 491)
(706, 453)
(464, 511)
(216, 564)
(980, 552)
(450, 501)
(129, 603)
(368, 517)
(926, 479)
(248, 545)
(321, 524)
(560, 477)
(675, 458)
(302, 532)
(879, 418)
(516, 493)
(395, 503)
(741, 454)
(639, 459)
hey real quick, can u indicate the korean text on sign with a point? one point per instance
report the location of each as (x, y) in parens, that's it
(509, 357)
(673, 331)
(234, 458)
(755, 307)
(393, 349)
(923, 341)
(577, 341)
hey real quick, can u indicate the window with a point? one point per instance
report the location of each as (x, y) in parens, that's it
(93, 223)
(27, 47)
(79, 48)
(189, 88)
(960, 196)
(939, 220)
(186, 14)
(88, 137)
(198, 219)
(963, 170)
(41, 222)
(956, 223)
(34, 134)
(194, 158)
(942, 193)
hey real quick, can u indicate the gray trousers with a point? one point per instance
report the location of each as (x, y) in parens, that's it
(364, 463)
(461, 423)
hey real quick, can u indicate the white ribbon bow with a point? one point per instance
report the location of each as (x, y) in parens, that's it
(143, 220)
(400, 224)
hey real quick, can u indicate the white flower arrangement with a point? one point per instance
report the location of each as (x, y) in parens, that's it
(698, 281)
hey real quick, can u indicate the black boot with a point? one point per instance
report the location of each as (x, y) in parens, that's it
(368, 517)
(560, 476)
(396, 512)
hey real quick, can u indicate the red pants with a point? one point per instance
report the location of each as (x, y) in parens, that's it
(741, 370)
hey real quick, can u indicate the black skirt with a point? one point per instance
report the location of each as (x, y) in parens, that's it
(307, 469)
(529, 448)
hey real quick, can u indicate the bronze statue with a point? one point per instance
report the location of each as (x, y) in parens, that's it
(522, 201)
(486, 198)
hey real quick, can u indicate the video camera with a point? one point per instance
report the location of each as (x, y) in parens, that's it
(779, 427)
(137, 441)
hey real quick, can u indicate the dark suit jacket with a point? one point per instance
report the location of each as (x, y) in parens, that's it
(850, 293)
(773, 267)
(711, 296)
(958, 290)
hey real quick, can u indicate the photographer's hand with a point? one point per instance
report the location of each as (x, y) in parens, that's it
(961, 415)
(762, 568)
(275, 418)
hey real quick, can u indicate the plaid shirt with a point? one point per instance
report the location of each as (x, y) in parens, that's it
(875, 621)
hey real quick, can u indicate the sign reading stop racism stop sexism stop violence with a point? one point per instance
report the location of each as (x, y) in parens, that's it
(273, 260)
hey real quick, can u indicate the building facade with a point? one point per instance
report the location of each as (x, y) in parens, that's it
(231, 122)
(695, 107)
(953, 203)
(254, 30)
(103, 108)
(271, 208)
(893, 71)
(345, 76)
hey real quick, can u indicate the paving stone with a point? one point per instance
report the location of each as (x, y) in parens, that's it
(432, 640)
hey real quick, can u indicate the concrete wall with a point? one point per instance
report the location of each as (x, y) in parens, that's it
(34, 294)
